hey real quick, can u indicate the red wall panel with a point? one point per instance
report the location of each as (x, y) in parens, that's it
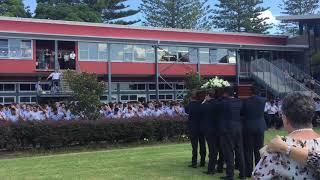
(134, 68)
(176, 69)
(93, 67)
(218, 69)
(130, 68)
(17, 66)
(81, 30)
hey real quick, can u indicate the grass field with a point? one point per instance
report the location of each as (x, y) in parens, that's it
(167, 162)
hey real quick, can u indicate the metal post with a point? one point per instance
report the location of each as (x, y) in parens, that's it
(56, 62)
(109, 74)
(157, 70)
(198, 64)
(238, 66)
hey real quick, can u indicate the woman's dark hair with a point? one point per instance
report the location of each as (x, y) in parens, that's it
(299, 110)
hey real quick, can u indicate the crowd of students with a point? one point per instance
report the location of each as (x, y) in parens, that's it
(273, 113)
(60, 111)
(138, 109)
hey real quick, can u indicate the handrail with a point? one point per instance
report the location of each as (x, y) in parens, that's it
(297, 72)
(275, 79)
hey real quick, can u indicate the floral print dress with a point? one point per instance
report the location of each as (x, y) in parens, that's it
(278, 166)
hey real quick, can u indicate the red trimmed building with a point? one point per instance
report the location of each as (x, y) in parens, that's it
(133, 60)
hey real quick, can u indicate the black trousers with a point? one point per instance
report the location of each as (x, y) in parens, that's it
(198, 138)
(232, 145)
(253, 142)
(214, 147)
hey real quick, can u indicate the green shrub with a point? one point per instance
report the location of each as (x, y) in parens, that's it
(50, 134)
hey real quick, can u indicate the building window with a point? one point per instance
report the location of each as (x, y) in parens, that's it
(174, 54)
(8, 99)
(7, 87)
(222, 56)
(183, 54)
(132, 87)
(162, 97)
(180, 96)
(180, 87)
(28, 87)
(15, 48)
(104, 99)
(4, 48)
(163, 87)
(128, 52)
(27, 99)
(93, 51)
(117, 52)
(204, 55)
(127, 98)
(143, 53)
(114, 87)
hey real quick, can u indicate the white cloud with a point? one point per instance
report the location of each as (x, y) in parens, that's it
(268, 14)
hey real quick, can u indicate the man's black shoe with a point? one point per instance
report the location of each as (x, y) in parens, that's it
(209, 172)
(193, 166)
(220, 170)
(241, 177)
(227, 178)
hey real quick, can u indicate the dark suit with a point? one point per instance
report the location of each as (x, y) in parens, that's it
(210, 127)
(196, 136)
(254, 127)
(230, 128)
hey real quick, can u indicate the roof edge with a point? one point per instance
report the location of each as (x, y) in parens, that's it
(34, 20)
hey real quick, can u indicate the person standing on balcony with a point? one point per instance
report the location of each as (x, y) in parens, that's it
(55, 77)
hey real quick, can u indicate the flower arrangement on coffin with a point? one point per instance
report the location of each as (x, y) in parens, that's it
(215, 83)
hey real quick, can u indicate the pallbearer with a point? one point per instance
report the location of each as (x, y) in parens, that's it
(194, 123)
(230, 128)
(253, 129)
(211, 130)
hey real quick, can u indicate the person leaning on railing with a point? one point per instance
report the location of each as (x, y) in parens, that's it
(304, 156)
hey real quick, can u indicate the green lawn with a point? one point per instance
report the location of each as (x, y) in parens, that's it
(150, 162)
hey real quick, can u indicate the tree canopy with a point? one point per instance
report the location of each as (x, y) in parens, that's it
(184, 14)
(240, 16)
(107, 11)
(14, 8)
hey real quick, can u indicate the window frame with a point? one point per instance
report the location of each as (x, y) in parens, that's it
(30, 99)
(136, 83)
(20, 46)
(3, 102)
(31, 84)
(97, 44)
(3, 91)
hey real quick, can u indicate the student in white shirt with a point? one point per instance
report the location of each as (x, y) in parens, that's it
(272, 111)
(14, 116)
(2, 114)
(156, 112)
(141, 112)
(129, 114)
(55, 77)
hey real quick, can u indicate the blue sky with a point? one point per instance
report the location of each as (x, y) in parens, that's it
(134, 4)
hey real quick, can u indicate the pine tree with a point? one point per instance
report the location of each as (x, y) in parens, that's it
(240, 16)
(184, 14)
(107, 11)
(113, 11)
(14, 8)
(296, 7)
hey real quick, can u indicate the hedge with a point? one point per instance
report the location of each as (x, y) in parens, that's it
(49, 134)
